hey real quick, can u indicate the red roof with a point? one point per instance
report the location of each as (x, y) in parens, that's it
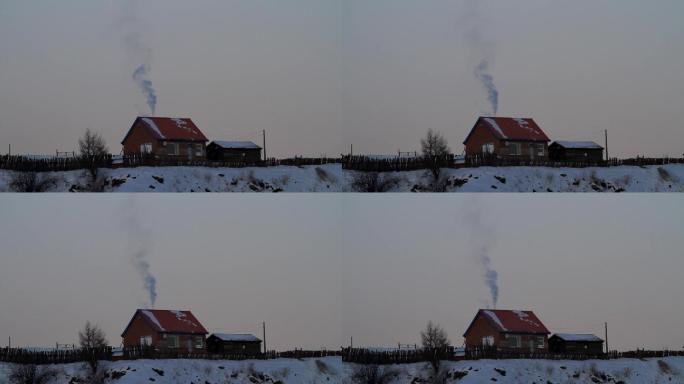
(509, 128)
(167, 128)
(512, 321)
(170, 321)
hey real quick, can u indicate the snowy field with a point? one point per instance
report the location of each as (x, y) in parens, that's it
(332, 178)
(331, 370)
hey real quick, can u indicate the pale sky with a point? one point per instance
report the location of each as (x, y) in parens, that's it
(319, 75)
(321, 268)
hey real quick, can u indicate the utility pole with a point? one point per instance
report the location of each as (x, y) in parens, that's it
(351, 342)
(9, 341)
(606, 336)
(351, 149)
(263, 329)
(263, 133)
(9, 151)
(606, 140)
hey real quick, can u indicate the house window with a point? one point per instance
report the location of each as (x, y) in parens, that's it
(172, 341)
(172, 149)
(146, 148)
(514, 149)
(488, 341)
(514, 341)
(146, 340)
(540, 342)
(199, 343)
(488, 148)
(198, 150)
(540, 150)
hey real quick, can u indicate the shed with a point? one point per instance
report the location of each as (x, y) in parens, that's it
(579, 343)
(220, 150)
(587, 151)
(234, 343)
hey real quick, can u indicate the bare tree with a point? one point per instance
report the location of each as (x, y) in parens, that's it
(435, 342)
(92, 337)
(92, 144)
(435, 150)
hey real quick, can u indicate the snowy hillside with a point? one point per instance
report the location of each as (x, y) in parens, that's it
(332, 178)
(331, 370)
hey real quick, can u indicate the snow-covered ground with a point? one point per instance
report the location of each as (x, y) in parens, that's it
(332, 178)
(332, 370)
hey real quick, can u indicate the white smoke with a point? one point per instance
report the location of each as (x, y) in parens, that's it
(480, 241)
(138, 247)
(480, 49)
(138, 52)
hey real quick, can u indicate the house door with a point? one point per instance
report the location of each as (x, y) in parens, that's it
(189, 152)
(531, 152)
(189, 345)
(531, 342)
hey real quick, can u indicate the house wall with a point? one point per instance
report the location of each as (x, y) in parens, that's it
(562, 154)
(140, 134)
(482, 328)
(482, 135)
(215, 345)
(140, 327)
(560, 346)
(215, 152)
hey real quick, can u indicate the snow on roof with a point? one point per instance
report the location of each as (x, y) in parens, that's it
(496, 127)
(152, 318)
(154, 127)
(245, 337)
(578, 144)
(172, 321)
(236, 144)
(494, 318)
(578, 337)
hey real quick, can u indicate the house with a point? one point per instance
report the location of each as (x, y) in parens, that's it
(165, 137)
(165, 329)
(588, 151)
(506, 137)
(580, 343)
(247, 151)
(238, 343)
(507, 330)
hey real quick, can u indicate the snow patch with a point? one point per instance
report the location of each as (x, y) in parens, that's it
(154, 127)
(152, 318)
(495, 318)
(496, 126)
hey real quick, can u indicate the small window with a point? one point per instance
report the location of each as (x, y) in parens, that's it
(540, 342)
(488, 341)
(540, 150)
(146, 340)
(514, 149)
(198, 150)
(514, 341)
(172, 149)
(199, 343)
(488, 148)
(146, 148)
(172, 341)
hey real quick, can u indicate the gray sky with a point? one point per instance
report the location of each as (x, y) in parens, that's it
(321, 268)
(319, 75)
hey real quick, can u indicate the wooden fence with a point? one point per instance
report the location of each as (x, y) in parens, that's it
(394, 164)
(57, 356)
(495, 161)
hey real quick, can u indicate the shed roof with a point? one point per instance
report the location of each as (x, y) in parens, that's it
(511, 128)
(167, 128)
(577, 144)
(170, 321)
(585, 337)
(240, 337)
(236, 144)
(512, 321)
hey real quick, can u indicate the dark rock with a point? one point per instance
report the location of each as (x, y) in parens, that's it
(117, 182)
(158, 371)
(500, 371)
(159, 179)
(501, 179)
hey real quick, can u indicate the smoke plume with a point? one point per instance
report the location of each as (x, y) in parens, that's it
(139, 247)
(480, 49)
(481, 239)
(138, 53)
(487, 80)
(141, 77)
